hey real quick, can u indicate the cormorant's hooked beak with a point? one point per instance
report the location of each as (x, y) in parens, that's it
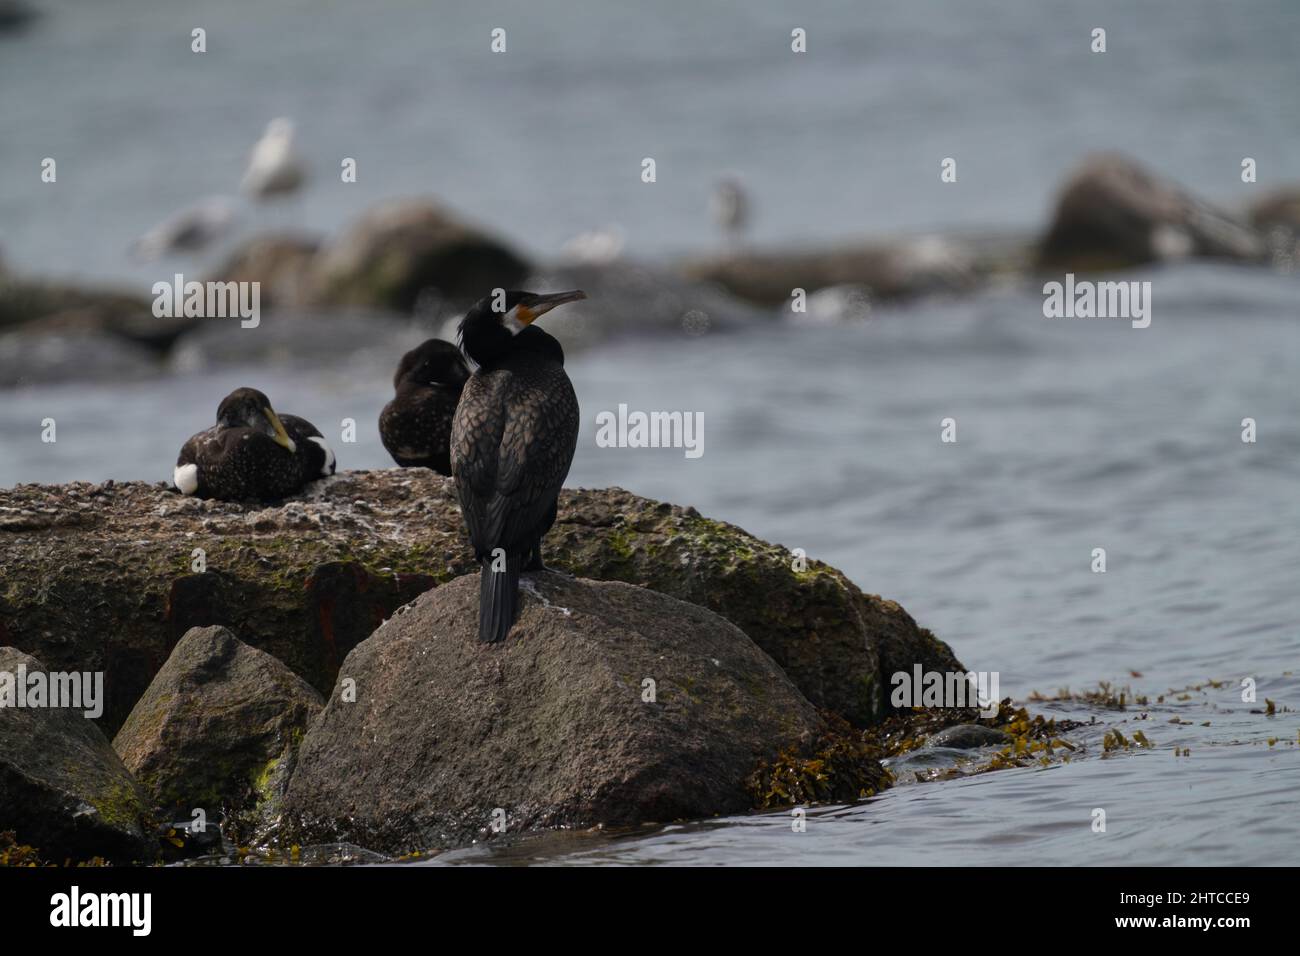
(539, 305)
(280, 436)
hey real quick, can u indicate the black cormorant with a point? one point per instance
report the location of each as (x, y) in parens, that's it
(512, 441)
(416, 425)
(252, 452)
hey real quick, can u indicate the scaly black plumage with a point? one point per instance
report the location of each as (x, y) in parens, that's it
(416, 425)
(252, 453)
(512, 441)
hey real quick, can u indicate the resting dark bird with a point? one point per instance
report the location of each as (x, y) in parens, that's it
(252, 452)
(416, 425)
(512, 442)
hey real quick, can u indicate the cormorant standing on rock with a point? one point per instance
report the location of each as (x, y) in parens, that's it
(512, 442)
(416, 425)
(252, 452)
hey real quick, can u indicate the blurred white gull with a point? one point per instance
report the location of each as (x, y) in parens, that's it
(190, 230)
(731, 207)
(595, 246)
(274, 167)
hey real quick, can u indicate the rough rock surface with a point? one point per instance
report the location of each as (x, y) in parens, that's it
(1113, 213)
(279, 262)
(106, 577)
(61, 348)
(889, 270)
(52, 331)
(24, 300)
(551, 726)
(399, 249)
(1279, 207)
(215, 724)
(62, 788)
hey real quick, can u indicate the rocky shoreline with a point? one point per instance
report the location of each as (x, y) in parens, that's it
(684, 656)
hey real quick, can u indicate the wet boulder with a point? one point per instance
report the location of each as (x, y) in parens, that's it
(278, 262)
(215, 725)
(1114, 213)
(71, 347)
(1277, 217)
(1279, 208)
(607, 704)
(52, 331)
(889, 269)
(123, 570)
(404, 249)
(16, 15)
(62, 788)
(825, 633)
(632, 299)
(24, 300)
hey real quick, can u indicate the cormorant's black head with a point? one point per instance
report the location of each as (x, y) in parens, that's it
(434, 362)
(500, 322)
(249, 408)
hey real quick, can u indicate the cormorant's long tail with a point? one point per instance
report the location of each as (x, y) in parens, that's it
(498, 599)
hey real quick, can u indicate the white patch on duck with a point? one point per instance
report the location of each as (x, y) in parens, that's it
(186, 478)
(328, 468)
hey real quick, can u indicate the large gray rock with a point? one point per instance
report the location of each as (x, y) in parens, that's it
(64, 348)
(62, 788)
(278, 262)
(122, 313)
(1114, 213)
(215, 725)
(550, 726)
(402, 248)
(53, 331)
(891, 269)
(15, 15)
(1277, 208)
(102, 577)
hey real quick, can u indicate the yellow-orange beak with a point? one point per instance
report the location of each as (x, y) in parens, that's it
(539, 305)
(281, 436)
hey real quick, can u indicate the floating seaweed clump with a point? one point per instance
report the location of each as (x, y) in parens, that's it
(840, 766)
(1033, 739)
(904, 732)
(1104, 697)
(843, 764)
(1115, 740)
(13, 853)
